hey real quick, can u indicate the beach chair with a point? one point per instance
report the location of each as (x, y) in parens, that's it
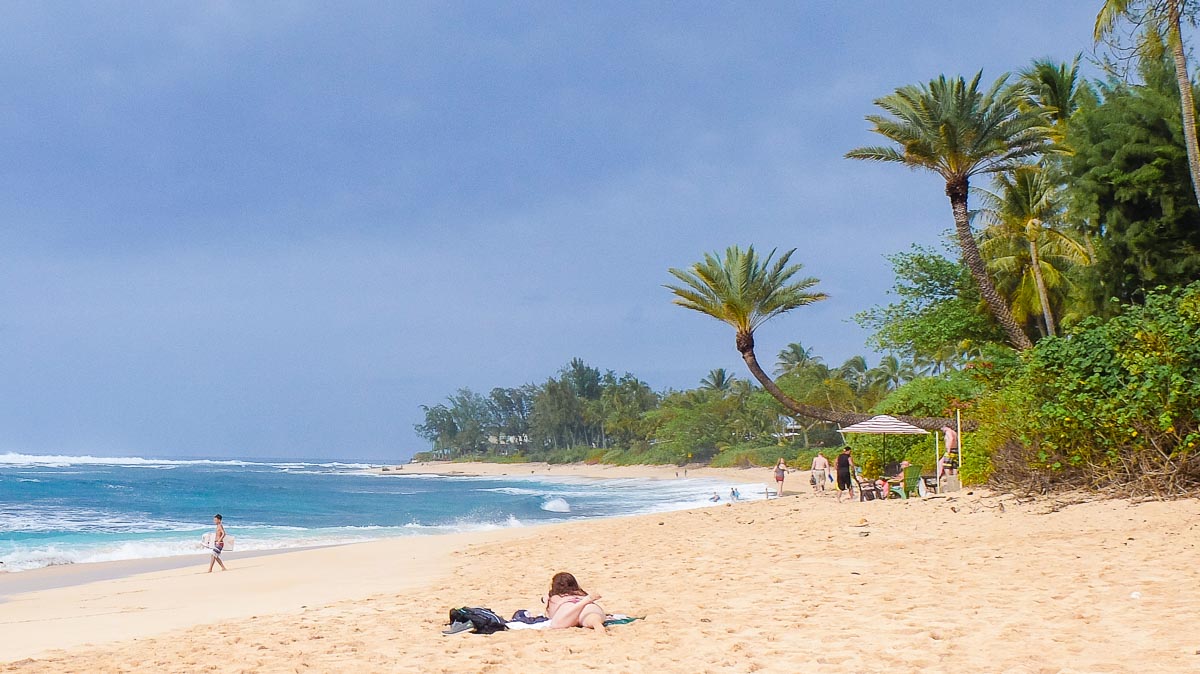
(911, 483)
(868, 490)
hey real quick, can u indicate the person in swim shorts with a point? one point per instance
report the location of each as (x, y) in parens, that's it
(218, 544)
(820, 472)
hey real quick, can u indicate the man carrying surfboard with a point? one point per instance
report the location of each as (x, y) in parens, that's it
(218, 544)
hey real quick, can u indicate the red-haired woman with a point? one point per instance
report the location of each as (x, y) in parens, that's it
(567, 605)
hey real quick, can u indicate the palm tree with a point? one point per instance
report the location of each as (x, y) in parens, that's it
(951, 128)
(854, 372)
(794, 357)
(745, 291)
(1022, 239)
(1053, 89)
(891, 373)
(718, 380)
(1155, 20)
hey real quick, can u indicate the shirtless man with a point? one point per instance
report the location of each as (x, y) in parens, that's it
(218, 544)
(949, 462)
(820, 472)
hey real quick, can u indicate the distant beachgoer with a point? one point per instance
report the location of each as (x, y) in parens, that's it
(780, 473)
(715, 497)
(218, 544)
(567, 605)
(733, 494)
(845, 469)
(820, 472)
(949, 462)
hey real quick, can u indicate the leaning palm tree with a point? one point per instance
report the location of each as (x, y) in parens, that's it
(1022, 239)
(794, 357)
(745, 291)
(1155, 20)
(953, 129)
(718, 380)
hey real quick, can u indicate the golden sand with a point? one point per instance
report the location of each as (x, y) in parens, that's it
(965, 582)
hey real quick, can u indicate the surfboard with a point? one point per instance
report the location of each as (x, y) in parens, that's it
(207, 541)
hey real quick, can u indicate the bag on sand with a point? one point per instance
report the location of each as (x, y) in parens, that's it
(483, 620)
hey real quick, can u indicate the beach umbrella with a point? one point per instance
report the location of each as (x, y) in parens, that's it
(885, 424)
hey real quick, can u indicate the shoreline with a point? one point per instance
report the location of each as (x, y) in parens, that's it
(763, 475)
(65, 575)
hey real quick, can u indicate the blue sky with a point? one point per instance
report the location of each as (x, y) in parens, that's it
(273, 229)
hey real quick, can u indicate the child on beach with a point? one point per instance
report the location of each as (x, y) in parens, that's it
(780, 472)
(567, 605)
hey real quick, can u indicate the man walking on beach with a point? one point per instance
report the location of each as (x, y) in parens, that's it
(845, 469)
(820, 472)
(218, 544)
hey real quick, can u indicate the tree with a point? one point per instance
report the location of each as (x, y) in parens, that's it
(1052, 89)
(1152, 21)
(891, 373)
(745, 291)
(1130, 187)
(439, 427)
(937, 309)
(953, 129)
(557, 417)
(718, 380)
(510, 409)
(1023, 240)
(794, 357)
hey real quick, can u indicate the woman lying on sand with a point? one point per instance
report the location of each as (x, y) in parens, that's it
(567, 605)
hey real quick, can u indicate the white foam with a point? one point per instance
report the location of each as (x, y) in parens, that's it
(556, 505)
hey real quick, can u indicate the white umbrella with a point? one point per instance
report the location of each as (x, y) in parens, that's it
(885, 424)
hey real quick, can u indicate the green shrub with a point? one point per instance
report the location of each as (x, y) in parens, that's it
(1114, 404)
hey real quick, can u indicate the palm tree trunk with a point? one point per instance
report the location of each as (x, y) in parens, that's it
(745, 345)
(1047, 312)
(957, 191)
(1186, 102)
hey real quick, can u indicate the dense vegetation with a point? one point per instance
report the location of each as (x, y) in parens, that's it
(1061, 316)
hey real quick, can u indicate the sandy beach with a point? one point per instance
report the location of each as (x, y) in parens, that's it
(966, 582)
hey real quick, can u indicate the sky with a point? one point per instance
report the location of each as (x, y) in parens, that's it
(278, 229)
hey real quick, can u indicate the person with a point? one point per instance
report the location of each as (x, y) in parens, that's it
(218, 544)
(780, 472)
(820, 472)
(949, 462)
(845, 471)
(715, 497)
(567, 605)
(733, 494)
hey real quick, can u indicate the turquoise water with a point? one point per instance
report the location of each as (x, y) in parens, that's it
(71, 510)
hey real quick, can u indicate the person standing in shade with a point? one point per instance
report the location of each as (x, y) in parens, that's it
(780, 472)
(845, 473)
(820, 472)
(218, 544)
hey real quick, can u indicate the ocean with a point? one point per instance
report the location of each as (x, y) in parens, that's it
(80, 509)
